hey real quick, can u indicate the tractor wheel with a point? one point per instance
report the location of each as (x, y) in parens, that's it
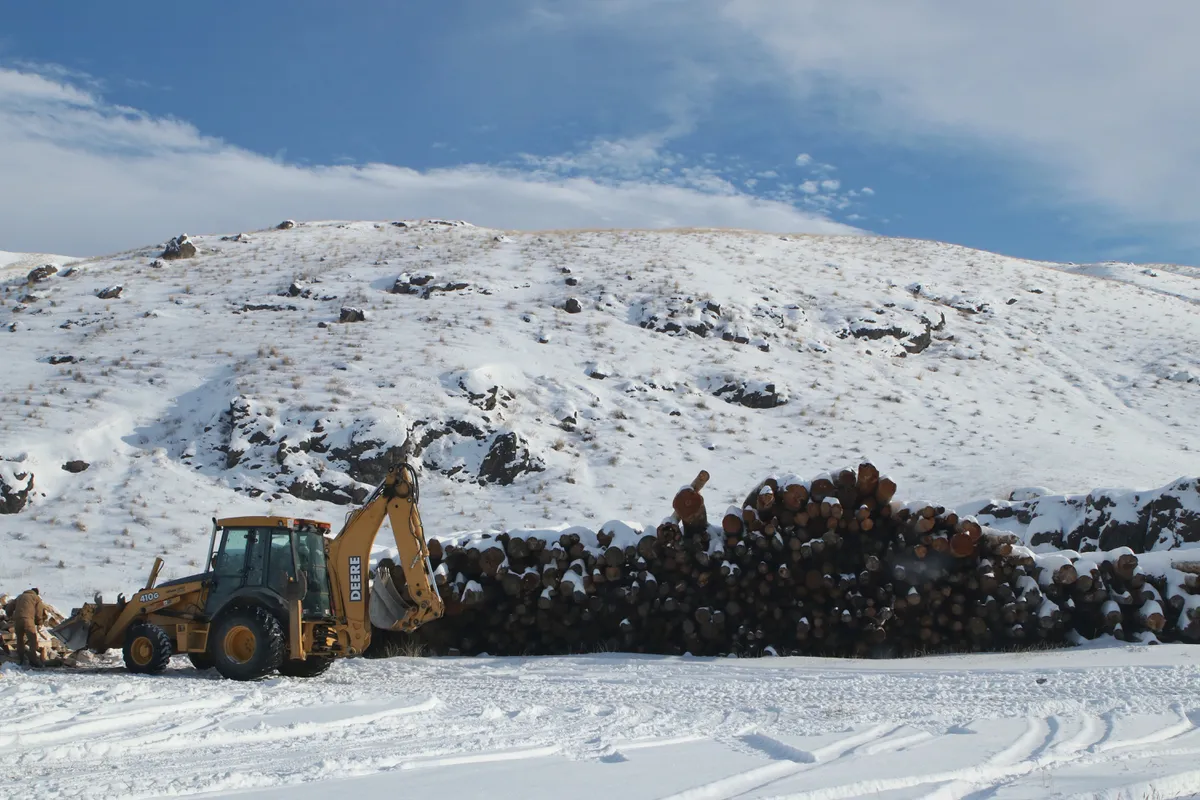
(310, 667)
(246, 644)
(147, 648)
(201, 661)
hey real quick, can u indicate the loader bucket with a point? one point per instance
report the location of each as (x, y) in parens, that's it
(388, 605)
(73, 632)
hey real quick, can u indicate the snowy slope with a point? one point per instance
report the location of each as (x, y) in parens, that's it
(1094, 722)
(225, 383)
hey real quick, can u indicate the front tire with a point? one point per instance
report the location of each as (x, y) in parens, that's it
(310, 667)
(147, 649)
(246, 644)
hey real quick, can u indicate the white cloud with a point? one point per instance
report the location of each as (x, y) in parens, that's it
(84, 177)
(831, 185)
(803, 160)
(1097, 97)
(867, 190)
(810, 187)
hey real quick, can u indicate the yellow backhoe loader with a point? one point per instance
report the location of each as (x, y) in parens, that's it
(279, 594)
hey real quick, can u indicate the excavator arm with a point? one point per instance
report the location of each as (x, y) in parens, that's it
(385, 603)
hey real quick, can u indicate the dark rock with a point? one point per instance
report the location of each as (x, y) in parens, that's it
(15, 487)
(1105, 519)
(350, 314)
(157, 263)
(179, 247)
(75, 467)
(572, 281)
(760, 396)
(111, 293)
(62, 359)
(599, 371)
(507, 459)
(241, 237)
(572, 306)
(328, 493)
(267, 307)
(322, 324)
(41, 273)
(286, 225)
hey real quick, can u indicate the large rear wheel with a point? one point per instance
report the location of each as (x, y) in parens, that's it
(147, 648)
(246, 644)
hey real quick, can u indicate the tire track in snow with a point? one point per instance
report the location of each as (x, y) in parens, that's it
(788, 761)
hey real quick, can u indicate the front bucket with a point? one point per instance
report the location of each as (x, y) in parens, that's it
(73, 633)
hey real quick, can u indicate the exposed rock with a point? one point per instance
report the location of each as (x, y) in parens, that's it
(75, 467)
(267, 307)
(157, 263)
(110, 293)
(507, 459)
(16, 484)
(308, 489)
(286, 225)
(41, 273)
(179, 247)
(241, 237)
(598, 370)
(421, 284)
(62, 358)
(752, 394)
(572, 306)
(572, 281)
(1161, 519)
(351, 314)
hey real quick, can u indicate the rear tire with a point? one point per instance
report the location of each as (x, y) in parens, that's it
(201, 661)
(310, 667)
(246, 644)
(147, 649)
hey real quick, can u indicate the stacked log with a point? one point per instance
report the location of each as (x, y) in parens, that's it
(834, 566)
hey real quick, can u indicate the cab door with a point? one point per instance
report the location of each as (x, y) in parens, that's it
(232, 562)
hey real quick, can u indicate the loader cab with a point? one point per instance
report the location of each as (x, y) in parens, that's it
(253, 558)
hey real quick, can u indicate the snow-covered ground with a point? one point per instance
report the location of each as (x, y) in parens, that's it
(1097, 722)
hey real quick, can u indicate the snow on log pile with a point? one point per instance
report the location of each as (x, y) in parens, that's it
(831, 566)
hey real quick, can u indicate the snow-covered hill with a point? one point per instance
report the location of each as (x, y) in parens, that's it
(561, 377)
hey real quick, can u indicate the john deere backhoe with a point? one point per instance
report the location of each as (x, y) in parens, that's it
(280, 594)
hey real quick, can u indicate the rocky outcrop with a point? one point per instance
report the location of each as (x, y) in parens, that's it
(572, 306)
(752, 394)
(422, 285)
(110, 293)
(1104, 518)
(39, 274)
(179, 247)
(507, 459)
(16, 484)
(75, 467)
(286, 225)
(351, 314)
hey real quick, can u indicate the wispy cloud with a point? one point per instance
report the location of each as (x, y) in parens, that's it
(83, 176)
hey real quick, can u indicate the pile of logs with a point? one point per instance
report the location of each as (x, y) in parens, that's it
(833, 566)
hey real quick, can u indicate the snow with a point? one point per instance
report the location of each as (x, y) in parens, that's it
(1099, 721)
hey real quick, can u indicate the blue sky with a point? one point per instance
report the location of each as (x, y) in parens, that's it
(1017, 128)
